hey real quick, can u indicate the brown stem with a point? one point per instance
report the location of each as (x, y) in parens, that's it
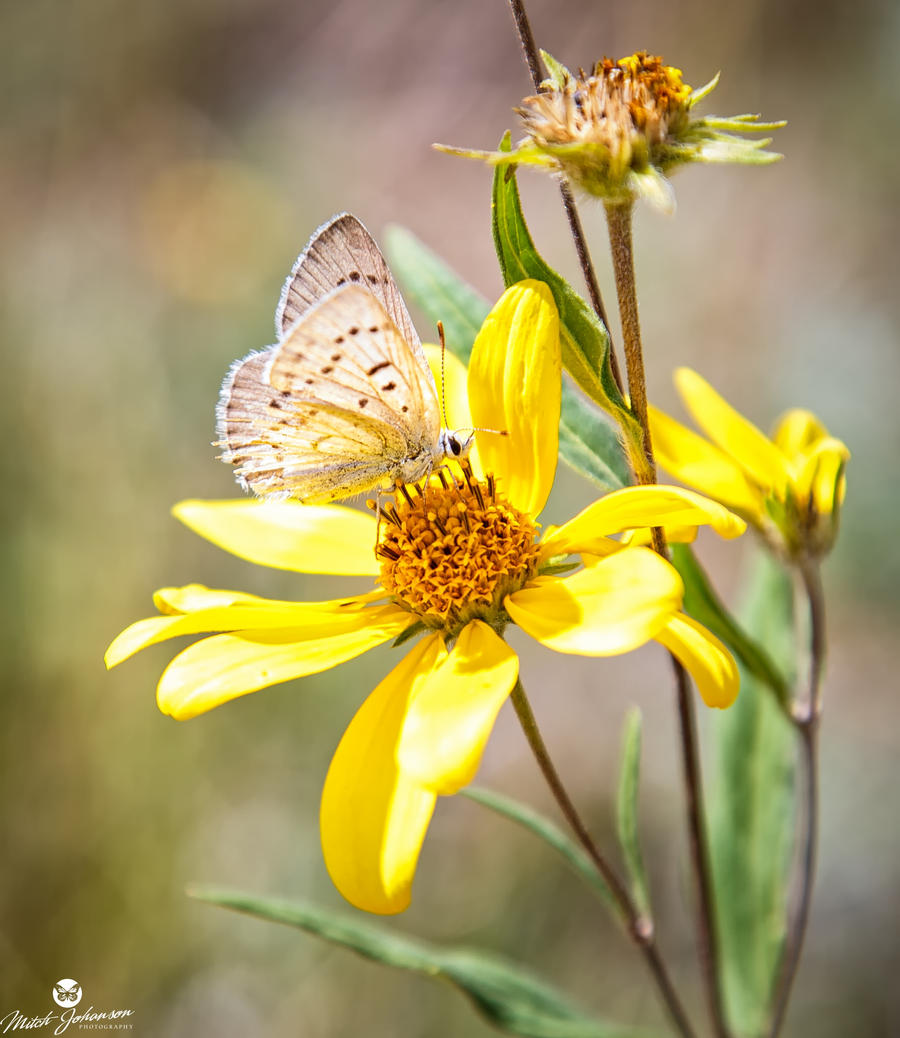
(530, 52)
(806, 720)
(619, 220)
(640, 927)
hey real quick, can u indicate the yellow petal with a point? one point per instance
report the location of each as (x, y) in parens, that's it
(707, 660)
(246, 612)
(797, 430)
(821, 476)
(225, 666)
(514, 387)
(450, 719)
(287, 535)
(373, 818)
(697, 462)
(613, 606)
(635, 507)
(760, 459)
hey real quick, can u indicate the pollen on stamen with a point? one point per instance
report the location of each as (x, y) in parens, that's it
(455, 551)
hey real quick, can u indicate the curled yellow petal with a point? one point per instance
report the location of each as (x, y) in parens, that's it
(231, 611)
(636, 507)
(797, 430)
(607, 608)
(373, 818)
(514, 388)
(821, 476)
(451, 716)
(287, 535)
(707, 660)
(699, 463)
(757, 455)
(221, 668)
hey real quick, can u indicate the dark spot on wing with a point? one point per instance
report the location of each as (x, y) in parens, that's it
(339, 340)
(389, 385)
(404, 408)
(335, 357)
(341, 281)
(355, 275)
(327, 370)
(354, 330)
(378, 367)
(374, 328)
(285, 392)
(308, 381)
(363, 400)
(275, 404)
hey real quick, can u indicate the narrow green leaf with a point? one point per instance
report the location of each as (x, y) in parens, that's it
(507, 995)
(584, 338)
(588, 442)
(703, 604)
(753, 811)
(547, 831)
(627, 808)
(440, 293)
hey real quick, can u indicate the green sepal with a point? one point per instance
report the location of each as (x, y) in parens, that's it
(703, 604)
(503, 992)
(626, 811)
(409, 632)
(588, 443)
(557, 73)
(583, 337)
(753, 811)
(551, 834)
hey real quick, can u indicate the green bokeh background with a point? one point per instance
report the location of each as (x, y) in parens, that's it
(161, 165)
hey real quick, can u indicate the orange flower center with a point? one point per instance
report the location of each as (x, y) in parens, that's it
(451, 551)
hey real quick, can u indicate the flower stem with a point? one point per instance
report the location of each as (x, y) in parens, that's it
(806, 720)
(639, 925)
(530, 53)
(619, 218)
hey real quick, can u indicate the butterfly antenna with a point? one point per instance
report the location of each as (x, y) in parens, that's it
(440, 328)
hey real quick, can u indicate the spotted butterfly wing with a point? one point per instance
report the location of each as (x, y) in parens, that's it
(340, 406)
(343, 252)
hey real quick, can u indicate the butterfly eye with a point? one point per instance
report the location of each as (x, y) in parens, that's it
(455, 446)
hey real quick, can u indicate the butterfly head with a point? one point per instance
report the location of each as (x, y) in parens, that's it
(455, 444)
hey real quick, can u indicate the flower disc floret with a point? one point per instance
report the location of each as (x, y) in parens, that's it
(451, 551)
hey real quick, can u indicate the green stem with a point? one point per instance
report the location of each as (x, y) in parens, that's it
(806, 720)
(619, 220)
(530, 53)
(639, 926)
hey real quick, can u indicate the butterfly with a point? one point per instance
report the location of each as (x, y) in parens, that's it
(68, 994)
(344, 402)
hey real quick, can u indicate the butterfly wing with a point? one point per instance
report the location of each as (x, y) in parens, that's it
(335, 409)
(343, 252)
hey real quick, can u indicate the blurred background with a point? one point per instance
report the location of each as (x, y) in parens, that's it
(161, 166)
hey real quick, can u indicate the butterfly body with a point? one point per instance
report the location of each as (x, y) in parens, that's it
(344, 403)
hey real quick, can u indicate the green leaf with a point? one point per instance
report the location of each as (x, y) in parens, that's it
(588, 443)
(440, 293)
(753, 811)
(583, 336)
(547, 831)
(507, 995)
(703, 604)
(626, 811)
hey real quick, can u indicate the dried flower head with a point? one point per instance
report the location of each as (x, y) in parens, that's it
(619, 131)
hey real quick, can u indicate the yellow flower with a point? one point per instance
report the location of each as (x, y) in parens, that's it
(790, 488)
(457, 559)
(618, 132)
